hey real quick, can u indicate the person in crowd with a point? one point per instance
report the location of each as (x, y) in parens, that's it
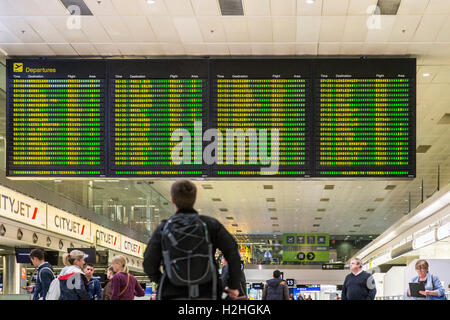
(73, 273)
(225, 278)
(183, 194)
(309, 297)
(300, 297)
(95, 288)
(337, 297)
(291, 296)
(433, 286)
(358, 285)
(44, 274)
(275, 288)
(124, 285)
(107, 290)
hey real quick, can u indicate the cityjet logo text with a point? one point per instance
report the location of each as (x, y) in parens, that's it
(132, 247)
(258, 147)
(106, 238)
(68, 225)
(20, 208)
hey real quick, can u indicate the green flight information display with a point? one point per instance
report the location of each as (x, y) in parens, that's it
(262, 109)
(306, 248)
(211, 117)
(365, 118)
(56, 119)
(150, 101)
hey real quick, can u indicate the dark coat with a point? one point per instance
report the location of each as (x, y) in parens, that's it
(220, 238)
(73, 284)
(45, 276)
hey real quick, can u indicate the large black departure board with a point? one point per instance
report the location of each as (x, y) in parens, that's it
(365, 118)
(257, 105)
(211, 117)
(56, 118)
(150, 101)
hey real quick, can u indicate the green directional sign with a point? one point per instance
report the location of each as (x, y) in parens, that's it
(306, 248)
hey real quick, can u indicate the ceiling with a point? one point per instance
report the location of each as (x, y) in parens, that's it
(421, 29)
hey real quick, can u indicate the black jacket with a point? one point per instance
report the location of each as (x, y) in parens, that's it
(275, 290)
(220, 238)
(226, 280)
(45, 276)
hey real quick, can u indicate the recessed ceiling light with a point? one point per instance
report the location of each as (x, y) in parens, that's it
(426, 74)
(310, 1)
(151, 1)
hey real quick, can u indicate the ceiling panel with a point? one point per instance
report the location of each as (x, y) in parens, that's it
(438, 7)
(284, 29)
(85, 49)
(256, 7)
(94, 30)
(380, 28)
(107, 49)
(404, 28)
(158, 8)
(442, 76)
(50, 7)
(262, 48)
(283, 7)
(212, 29)
(127, 7)
(63, 49)
(351, 48)
(164, 29)
(195, 49)
(7, 9)
(72, 34)
(429, 27)
(206, 8)
(188, 29)
(236, 29)
(309, 9)
(361, 7)
(116, 29)
(102, 8)
(7, 36)
(173, 48)
(308, 28)
(217, 49)
(179, 7)
(260, 29)
(329, 48)
(239, 49)
(335, 7)
(412, 7)
(152, 49)
(355, 29)
(332, 28)
(306, 48)
(140, 29)
(26, 7)
(129, 49)
(284, 49)
(444, 34)
(21, 29)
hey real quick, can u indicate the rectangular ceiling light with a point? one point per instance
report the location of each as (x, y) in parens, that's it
(329, 187)
(270, 199)
(268, 186)
(274, 218)
(216, 199)
(390, 187)
(379, 199)
(321, 210)
(77, 7)
(223, 209)
(229, 218)
(234, 225)
(445, 119)
(362, 218)
(388, 7)
(272, 209)
(370, 210)
(325, 199)
(316, 225)
(207, 186)
(231, 7)
(423, 148)
(318, 218)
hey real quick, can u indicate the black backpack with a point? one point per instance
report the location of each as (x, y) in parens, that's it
(187, 253)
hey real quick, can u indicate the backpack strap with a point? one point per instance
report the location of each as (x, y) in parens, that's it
(126, 287)
(39, 273)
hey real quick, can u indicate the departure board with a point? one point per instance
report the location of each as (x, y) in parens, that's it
(365, 118)
(158, 112)
(262, 109)
(56, 122)
(211, 117)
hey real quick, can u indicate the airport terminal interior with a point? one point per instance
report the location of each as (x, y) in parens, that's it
(349, 100)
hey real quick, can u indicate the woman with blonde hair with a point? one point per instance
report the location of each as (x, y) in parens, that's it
(73, 282)
(124, 285)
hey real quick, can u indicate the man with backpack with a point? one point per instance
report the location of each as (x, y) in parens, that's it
(44, 273)
(185, 244)
(276, 288)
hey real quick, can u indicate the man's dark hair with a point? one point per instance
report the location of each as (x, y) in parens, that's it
(276, 274)
(183, 194)
(37, 253)
(88, 265)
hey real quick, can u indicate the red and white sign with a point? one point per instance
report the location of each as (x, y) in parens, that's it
(68, 224)
(132, 247)
(18, 207)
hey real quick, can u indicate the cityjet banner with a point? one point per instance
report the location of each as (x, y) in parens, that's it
(106, 238)
(67, 224)
(132, 247)
(16, 206)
